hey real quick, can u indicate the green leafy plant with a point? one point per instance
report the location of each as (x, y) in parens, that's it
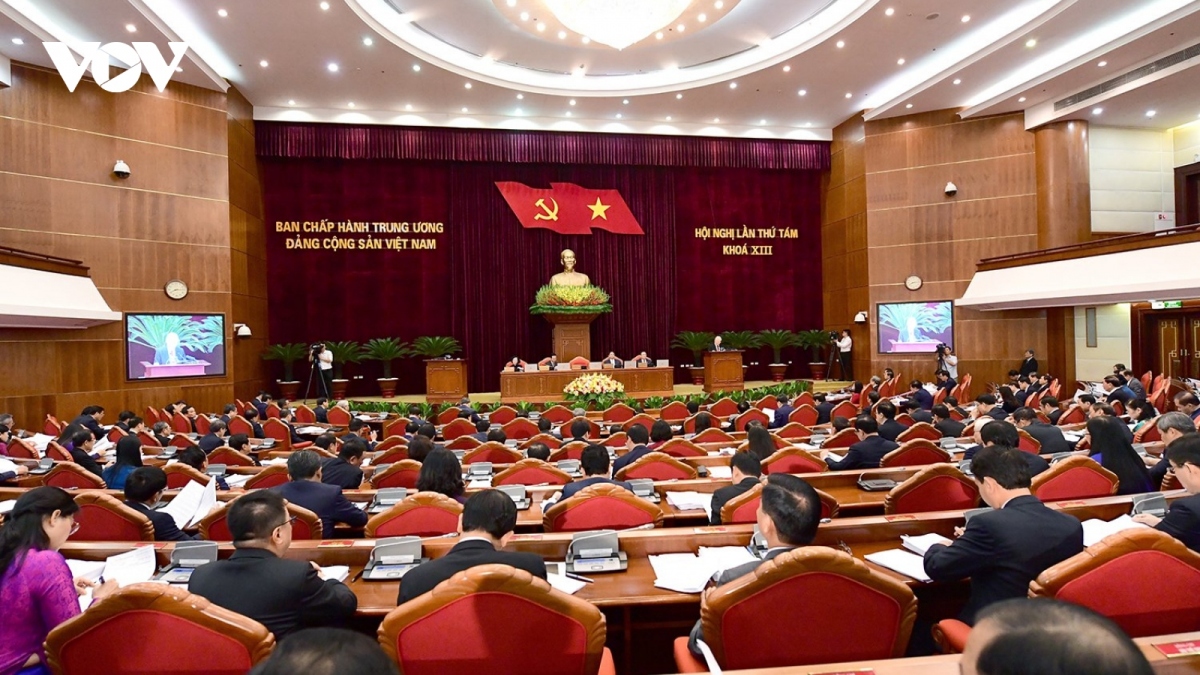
(346, 351)
(654, 402)
(777, 340)
(698, 399)
(435, 347)
(427, 410)
(741, 339)
(154, 331)
(571, 300)
(288, 354)
(386, 351)
(447, 405)
(695, 342)
(814, 341)
(525, 407)
(916, 321)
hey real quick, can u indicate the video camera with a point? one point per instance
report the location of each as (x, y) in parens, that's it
(317, 348)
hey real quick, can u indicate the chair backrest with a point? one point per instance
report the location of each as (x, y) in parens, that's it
(804, 414)
(425, 514)
(229, 457)
(271, 476)
(503, 620)
(448, 415)
(682, 447)
(940, 396)
(916, 453)
(919, 430)
(20, 449)
(849, 613)
(793, 460)
(51, 426)
(842, 439)
(402, 474)
(203, 425)
(458, 427)
(502, 415)
(641, 418)
(204, 638)
(181, 441)
(751, 415)
(744, 507)
(1075, 477)
(274, 428)
(723, 408)
(393, 429)
(239, 425)
(804, 398)
(617, 440)
(1134, 577)
(793, 430)
(572, 450)
(657, 466)
(391, 455)
(58, 453)
(273, 410)
(391, 442)
(558, 414)
(551, 441)
(338, 416)
(674, 411)
(180, 424)
(905, 419)
(180, 474)
(768, 401)
(593, 428)
(599, 507)
(115, 434)
(215, 526)
(531, 472)
(69, 475)
(888, 388)
(579, 362)
(713, 435)
(617, 413)
(151, 416)
(1148, 433)
(1028, 443)
(493, 452)
(464, 443)
(103, 517)
(148, 440)
(846, 409)
(1072, 415)
(940, 487)
(304, 414)
(520, 429)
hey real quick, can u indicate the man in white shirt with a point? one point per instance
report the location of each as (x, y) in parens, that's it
(324, 359)
(844, 346)
(947, 361)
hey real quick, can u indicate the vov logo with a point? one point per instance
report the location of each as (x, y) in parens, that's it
(99, 58)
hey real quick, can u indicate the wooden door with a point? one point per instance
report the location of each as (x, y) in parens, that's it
(1168, 347)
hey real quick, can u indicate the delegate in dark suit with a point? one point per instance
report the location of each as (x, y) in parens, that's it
(1051, 438)
(1054, 415)
(570, 489)
(90, 423)
(210, 442)
(781, 416)
(465, 555)
(950, 428)
(324, 500)
(283, 595)
(924, 398)
(1002, 550)
(85, 460)
(1028, 367)
(864, 454)
(1036, 463)
(825, 412)
(628, 458)
(322, 414)
(722, 496)
(891, 429)
(725, 577)
(1183, 521)
(339, 472)
(921, 416)
(164, 525)
(1123, 394)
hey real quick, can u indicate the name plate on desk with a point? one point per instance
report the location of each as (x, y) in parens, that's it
(1174, 650)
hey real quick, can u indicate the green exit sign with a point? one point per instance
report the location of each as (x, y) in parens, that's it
(1166, 304)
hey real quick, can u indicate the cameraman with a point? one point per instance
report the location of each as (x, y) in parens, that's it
(947, 361)
(844, 345)
(324, 359)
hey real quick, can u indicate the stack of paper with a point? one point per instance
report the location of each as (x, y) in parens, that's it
(901, 561)
(278, 461)
(690, 501)
(681, 572)
(7, 505)
(726, 557)
(479, 483)
(720, 472)
(310, 431)
(564, 584)
(39, 441)
(192, 503)
(91, 570)
(235, 480)
(337, 572)
(7, 466)
(922, 543)
(1095, 530)
(103, 445)
(131, 567)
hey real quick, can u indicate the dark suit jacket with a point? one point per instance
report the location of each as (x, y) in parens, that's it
(283, 595)
(824, 412)
(1123, 394)
(998, 413)
(465, 555)
(321, 414)
(260, 407)
(781, 416)
(725, 577)
(90, 424)
(723, 495)
(1004, 549)
(630, 457)
(1054, 415)
(1029, 366)
(615, 363)
(922, 397)
(948, 384)
(1036, 463)
(163, 440)
(324, 500)
(891, 429)
(1183, 521)
(950, 428)
(164, 525)
(1135, 385)
(85, 460)
(864, 454)
(922, 416)
(210, 442)
(1051, 438)
(339, 472)
(570, 489)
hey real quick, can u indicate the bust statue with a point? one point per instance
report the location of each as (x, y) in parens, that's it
(569, 277)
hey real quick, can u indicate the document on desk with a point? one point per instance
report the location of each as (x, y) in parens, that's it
(40, 441)
(480, 483)
(901, 561)
(720, 472)
(560, 583)
(192, 503)
(690, 501)
(311, 431)
(7, 505)
(681, 572)
(921, 544)
(726, 557)
(234, 480)
(336, 572)
(7, 466)
(1095, 530)
(90, 570)
(131, 567)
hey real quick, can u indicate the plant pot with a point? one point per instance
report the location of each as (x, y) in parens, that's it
(339, 389)
(288, 390)
(387, 386)
(697, 373)
(778, 371)
(817, 370)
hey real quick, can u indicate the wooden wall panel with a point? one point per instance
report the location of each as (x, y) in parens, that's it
(248, 249)
(844, 235)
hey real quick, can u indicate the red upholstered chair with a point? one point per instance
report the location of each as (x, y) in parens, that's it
(203, 638)
(503, 620)
(598, 507)
(1075, 477)
(273, 410)
(846, 409)
(792, 430)
(151, 417)
(391, 455)
(229, 457)
(116, 433)
(674, 411)
(966, 388)
(557, 414)
(849, 613)
(768, 401)
(493, 452)
(239, 425)
(572, 450)
(271, 476)
(780, 444)
(593, 428)
(916, 453)
(1136, 577)
(203, 425)
(552, 442)
(940, 487)
(241, 406)
(215, 526)
(940, 396)
(919, 430)
(1118, 408)
(402, 474)
(682, 447)
(148, 440)
(657, 466)
(464, 443)
(1028, 443)
(804, 398)
(617, 440)
(273, 427)
(180, 424)
(531, 472)
(502, 415)
(459, 427)
(52, 427)
(842, 439)
(951, 635)
(806, 415)
(1148, 433)
(751, 415)
(102, 517)
(617, 413)
(712, 435)
(448, 415)
(744, 507)
(425, 514)
(1170, 482)
(723, 408)
(579, 363)
(1072, 415)
(304, 414)
(642, 419)
(339, 416)
(19, 449)
(58, 453)
(793, 460)
(905, 419)
(69, 475)
(521, 428)
(394, 429)
(182, 442)
(180, 474)
(887, 389)
(391, 442)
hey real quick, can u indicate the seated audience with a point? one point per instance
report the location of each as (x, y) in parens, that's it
(594, 462)
(856, 393)
(917, 413)
(1183, 518)
(162, 433)
(420, 447)
(326, 441)
(1050, 409)
(252, 416)
(364, 431)
(288, 417)
(705, 421)
(1187, 403)
(215, 438)
(950, 427)
(824, 408)
(952, 403)
(37, 592)
(1117, 391)
(481, 430)
(1141, 412)
(327, 501)
(90, 418)
(1051, 437)
(944, 381)
(989, 432)
(761, 445)
(867, 452)
(746, 472)
(344, 470)
(441, 472)
(260, 403)
(542, 451)
(781, 413)
(788, 515)
(240, 442)
(488, 520)
(227, 413)
(1117, 370)
(1008, 402)
(1134, 384)
(693, 407)
(916, 392)
(258, 582)
(838, 423)
(195, 458)
(660, 433)
(123, 418)
(143, 491)
(136, 425)
(81, 451)
(1001, 551)
(985, 406)
(496, 436)
(612, 361)
(1113, 451)
(635, 439)
(885, 415)
(872, 401)
(321, 410)
(189, 412)
(1086, 400)
(327, 651)
(128, 459)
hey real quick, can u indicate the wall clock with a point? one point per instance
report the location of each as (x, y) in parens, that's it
(176, 289)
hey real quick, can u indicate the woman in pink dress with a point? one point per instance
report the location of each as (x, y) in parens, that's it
(36, 590)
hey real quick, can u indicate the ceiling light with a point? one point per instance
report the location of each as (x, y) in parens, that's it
(716, 120)
(957, 81)
(541, 28)
(367, 42)
(325, 6)
(762, 122)
(333, 67)
(179, 70)
(809, 124)
(518, 112)
(848, 94)
(841, 43)
(587, 40)
(524, 16)
(291, 102)
(680, 28)
(625, 102)
(464, 109)
(351, 104)
(18, 41)
(803, 92)
(1031, 43)
(678, 96)
(1102, 64)
(1097, 111)
(222, 13)
(568, 113)
(264, 63)
(512, 3)
(562, 35)
(618, 115)
(416, 67)
(718, 4)
(618, 24)
(966, 18)
(467, 85)
(787, 69)
(889, 11)
(572, 102)
(658, 35)
(899, 62)
(702, 18)
(1151, 113)
(668, 118)
(520, 97)
(1021, 100)
(131, 28)
(909, 106)
(408, 106)
(733, 85)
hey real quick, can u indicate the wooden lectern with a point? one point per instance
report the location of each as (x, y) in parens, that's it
(445, 380)
(723, 371)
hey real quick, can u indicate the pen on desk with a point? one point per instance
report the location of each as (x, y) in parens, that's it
(576, 577)
(356, 575)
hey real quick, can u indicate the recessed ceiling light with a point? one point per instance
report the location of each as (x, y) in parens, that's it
(541, 28)
(718, 4)
(512, 3)
(1021, 100)
(562, 35)
(680, 28)
(702, 18)
(1031, 43)
(408, 106)
(889, 11)
(966, 18)
(572, 102)
(625, 102)
(787, 69)
(809, 124)
(762, 122)
(848, 94)
(716, 120)
(909, 106)
(131, 28)
(325, 6)
(291, 102)
(520, 97)
(658, 35)
(587, 40)
(841, 43)
(524, 16)
(518, 112)
(222, 13)
(351, 104)
(899, 62)
(668, 118)
(803, 92)
(733, 85)
(678, 96)
(416, 67)
(568, 113)
(263, 63)
(618, 115)
(18, 41)
(1102, 64)
(1097, 111)
(467, 85)
(179, 70)
(464, 109)
(1151, 113)
(367, 42)
(957, 81)
(333, 67)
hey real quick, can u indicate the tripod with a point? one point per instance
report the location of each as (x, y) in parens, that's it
(833, 358)
(312, 370)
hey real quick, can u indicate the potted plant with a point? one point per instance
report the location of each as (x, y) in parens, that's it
(288, 354)
(435, 347)
(695, 342)
(346, 351)
(445, 378)
(386, 351)
(815, 341)
(427, 411)
(777, 340)
(742, 340)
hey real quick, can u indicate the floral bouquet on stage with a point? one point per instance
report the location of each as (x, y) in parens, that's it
(596, 389)
(571, 300)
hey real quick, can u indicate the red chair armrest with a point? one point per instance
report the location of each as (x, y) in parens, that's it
(685, 660)
(951, 635)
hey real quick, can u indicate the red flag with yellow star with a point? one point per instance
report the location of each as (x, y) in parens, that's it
(567, 208)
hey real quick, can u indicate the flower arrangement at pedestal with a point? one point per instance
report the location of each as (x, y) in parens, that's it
(571, 300)
(595, 389)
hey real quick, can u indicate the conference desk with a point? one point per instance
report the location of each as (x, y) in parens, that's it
(542, 386)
